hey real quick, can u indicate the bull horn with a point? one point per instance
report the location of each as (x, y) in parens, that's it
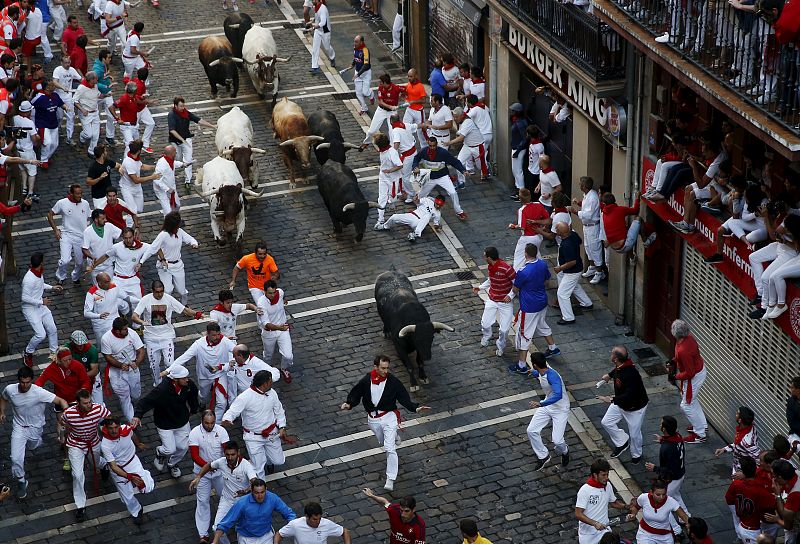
(287, 143)
(287, 59)
(250, 192)
(374, 204)
(437, 326)
(348, 145)
(237, 59)
(257, 150)
(315, 138)
(351, 206)
(324, 145)
(213, 63)
(204, 196)
(234, 25)
(218, 213)
(226, 153)
(406, 330)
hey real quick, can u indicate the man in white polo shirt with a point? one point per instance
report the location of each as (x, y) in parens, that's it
(591, 506)
(274, 326)
(98, 238)
(104, 303)
(123, 350)
(312, 528)
(206, 444)
(75, 213)
(548, 183)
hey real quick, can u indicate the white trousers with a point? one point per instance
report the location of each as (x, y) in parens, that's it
(158, 351)
(185, 154)
(693, 410)
(215, 394)
(77, 457)
(541, 418)
(322, 40)
(674, 491)
(90, 129)
(531, 324)
(388, 189)
(589, 535)
(111, 124)
(593, 245)
(445, 183)
(634, 420)
(256, 293)
(97, 390)
(568, 285)
(397, 29)
(23, 438)
(102, 326)
(202, 511)
(128, 388)
(58, 20)
(747, 536)
(132, 65)
(780, 255)
(777, 281)
(146, 118)
(41, 320)
(263, 451)
(363, 90)
(503, 314)
(49, 143)
(222, 508)
(129, 134)
(406, 175)
(643, 537)
(379, 117)
(281, 339)
(70, 250)
(47, 51)
(174, 279)
(116, 36)
(69, 113)
(132, 288)
(472, 158)
(174, 444)
(165, 201)
(385, 429)
(662, 168)
(133, 196)
(416, 117)
(519, 249)
(127, 490)
(517, 165)
(410, 220)
(264, 539)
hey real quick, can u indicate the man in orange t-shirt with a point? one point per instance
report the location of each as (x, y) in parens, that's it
(415, 113)
(260, 268)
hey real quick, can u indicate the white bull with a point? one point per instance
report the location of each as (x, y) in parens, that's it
(219, 183)
(234, 140)
(260, 55)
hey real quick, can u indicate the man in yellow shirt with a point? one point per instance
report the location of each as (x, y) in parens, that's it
(469, 530)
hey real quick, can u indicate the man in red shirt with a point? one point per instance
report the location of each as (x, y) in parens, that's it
(406, 526)
(116, 210)
(129, 105)
(529, 216)
(749, 501)
(619, 237)
(698, 531)
(498, 306)
(688, 367)
(70, 35)
(388, 98)
(78, 55)
(787, 493)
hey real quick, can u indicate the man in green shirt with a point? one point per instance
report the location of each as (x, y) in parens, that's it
(82, 350)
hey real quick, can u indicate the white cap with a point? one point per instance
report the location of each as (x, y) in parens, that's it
(177, 371)
(25, 106)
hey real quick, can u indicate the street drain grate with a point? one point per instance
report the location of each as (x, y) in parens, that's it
(466, 275)
(657, 369)
(645, 353)
(344, 96)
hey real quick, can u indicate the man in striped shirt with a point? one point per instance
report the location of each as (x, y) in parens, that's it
(499, 306)
(82, 421)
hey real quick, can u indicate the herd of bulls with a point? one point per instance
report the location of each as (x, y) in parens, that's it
(223, 182)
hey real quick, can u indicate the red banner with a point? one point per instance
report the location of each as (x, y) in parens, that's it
(736, 266)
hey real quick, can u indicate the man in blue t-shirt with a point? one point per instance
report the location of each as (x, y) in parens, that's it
(529, 284)
(570, 266)
(46, 106)
(437, 80)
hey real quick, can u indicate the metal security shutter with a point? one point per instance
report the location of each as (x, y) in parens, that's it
(749, 361)
(450, 32)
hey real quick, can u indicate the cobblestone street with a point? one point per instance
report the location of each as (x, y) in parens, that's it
(469, 456)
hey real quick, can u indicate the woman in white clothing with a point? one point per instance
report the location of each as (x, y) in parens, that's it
(656, 508)
(168, 245)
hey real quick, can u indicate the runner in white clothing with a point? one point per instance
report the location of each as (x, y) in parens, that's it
(98, 239)
(427, 209)
(322, 36)
(226, 311)
(274, 325)
(657, 509)
(390, 183)
(119, 445)
(168, 244)
(263, 423)
(112, 24)
(588, 211)
(126, 256)
(206, 443)
(591, 506)
(313, 528)
(164, 186)
(36, 311)
(244, 366)
(131, 178)
(28, 402)
(75, 213)
(440, 120)
(104, 303)
(554, 408)
(405, 142)
(473, 150)
(133, 57)
(154, 313)
(483, 120)
(212, 354)
(123, 351)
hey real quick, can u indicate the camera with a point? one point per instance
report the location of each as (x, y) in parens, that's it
(15, 132)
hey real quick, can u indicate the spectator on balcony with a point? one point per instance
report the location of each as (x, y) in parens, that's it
(535, 152)
(560, 111)
(584, 5)
(718, 190)
(672, 158)
(746, 42)
(783, 250)
(702, 169)
(776, 286)
(747, 225)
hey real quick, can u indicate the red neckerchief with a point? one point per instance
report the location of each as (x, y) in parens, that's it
(546, 170)
(220, 308)
(134, 33)
(560, 210)
(170, 161)
(316, 8)
(86, 84)
(257, 390)
(376, 378)
(139, 158)
(448, 66)
(81, 349)
(184, 114)
(432, 153)
(741, 432)
(626, 363)
(136, 243)
(654, 504)
(247, 361)
(37, 273)
(480, 104)
(535, 141)
(398, 124)
(124, 430)
(478, 80)
(385, 148)
(594, 483)
(175, 234)
(671, 438)
(116, 333)
(69, 197)
(215, 343)
(274, 300)
(359, 46)
(515, 118)
(177, 387)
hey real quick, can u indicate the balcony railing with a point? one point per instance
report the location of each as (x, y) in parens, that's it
(591, 44)
(733, 46)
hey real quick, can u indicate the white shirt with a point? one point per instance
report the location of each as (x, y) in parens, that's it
(125, 258)
(157, 315)
(28, 407)
(439, 118)
(594, 502)
(258, 411)
(322, 20)
(166, 183)
(87, 98)
(33, 24)
(66, 78)
(478, 89)
(561, 112)
(235, 480)
(450, 76)
(98, 246)
(130, 166)
(122, 349)
(404, 137)
(657, 518)
(473, 136)
(74, 216)
(482, 119)
(169, 245)
(115, 10)
(8, 30)
(535, 150)
(303, 534)
(243, 374)
(427, 210)
(560, 217)
(33, 288)
(120, 450)
(547, 182)
(209, 442)
(273, 313)
(211, 360)
(227, 320)
(24, 142)
(590, 208)
(132, 41)
(100, 301)
(390, 159)
(376, 392)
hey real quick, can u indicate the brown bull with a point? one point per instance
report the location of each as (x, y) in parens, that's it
(291, 129)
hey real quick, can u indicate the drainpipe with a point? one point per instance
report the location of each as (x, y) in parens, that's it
(493, 101)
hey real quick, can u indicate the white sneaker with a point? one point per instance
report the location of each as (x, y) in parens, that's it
(768, 313)
(664, 38)
(484, 342)
(159, 463)
(591, 271)
(600, 276)
(175, 472)
(498, 352)
(778, 311)
(389, 485)
(379, 225)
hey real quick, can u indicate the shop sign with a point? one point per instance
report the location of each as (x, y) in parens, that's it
(470, 11)
(579, 95)
(736, 265)
(616, 119)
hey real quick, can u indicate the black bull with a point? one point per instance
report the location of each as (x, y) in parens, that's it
(236, 26)
(342, 196)
(406, 321)
(324, 123)
(216, 56)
